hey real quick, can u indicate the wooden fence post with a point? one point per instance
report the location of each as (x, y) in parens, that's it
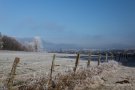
(49, 84)
(89, 59)
(99, 57)
(106, 57)
(76, 62)
(112, 56)
(52, 67)
(12, 74)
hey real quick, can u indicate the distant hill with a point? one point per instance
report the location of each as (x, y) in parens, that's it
(49, 46)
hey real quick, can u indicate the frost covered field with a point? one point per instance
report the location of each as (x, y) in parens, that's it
(107, 76)
(35, 64)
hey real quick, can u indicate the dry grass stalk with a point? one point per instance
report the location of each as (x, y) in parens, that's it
(76, 62)
(89, 59)
(99, 58)
(12, 74)
(90, 78)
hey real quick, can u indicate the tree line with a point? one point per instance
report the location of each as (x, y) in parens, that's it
(10, 43)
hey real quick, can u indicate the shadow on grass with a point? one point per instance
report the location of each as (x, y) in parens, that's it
(129, 61)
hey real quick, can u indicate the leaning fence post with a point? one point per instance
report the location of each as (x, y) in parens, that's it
(99, 57)
(89, 60)
(51, 71)
(76, 62)
(12, 74)
(52, 67)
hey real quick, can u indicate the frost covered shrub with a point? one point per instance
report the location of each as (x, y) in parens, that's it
(82, 79)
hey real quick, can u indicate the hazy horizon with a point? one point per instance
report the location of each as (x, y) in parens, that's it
(87, 23)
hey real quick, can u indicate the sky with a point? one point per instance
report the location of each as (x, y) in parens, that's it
(87, 23)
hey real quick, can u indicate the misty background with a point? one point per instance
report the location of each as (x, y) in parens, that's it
(71, 23)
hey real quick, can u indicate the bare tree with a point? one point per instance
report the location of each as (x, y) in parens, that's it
(37, 44)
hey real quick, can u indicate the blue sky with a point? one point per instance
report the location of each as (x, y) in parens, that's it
(87, 23)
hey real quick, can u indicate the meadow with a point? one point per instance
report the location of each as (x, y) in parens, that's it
(36, 71)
